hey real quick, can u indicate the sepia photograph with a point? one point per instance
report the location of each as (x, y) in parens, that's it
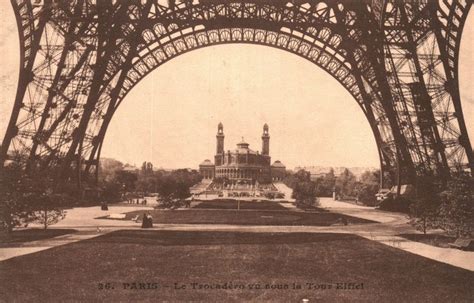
(236, 151)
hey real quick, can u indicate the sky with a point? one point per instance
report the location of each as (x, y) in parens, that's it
(170, 118)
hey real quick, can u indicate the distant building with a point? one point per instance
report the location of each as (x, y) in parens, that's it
(242, 165)
(278, 171)
(207, 169)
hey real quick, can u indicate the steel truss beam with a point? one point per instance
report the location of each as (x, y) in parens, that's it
(398, 59)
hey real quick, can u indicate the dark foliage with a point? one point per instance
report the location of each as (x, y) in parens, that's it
(424, 210)
(304, 190)
(457, 206)
(367, 187)
(30, 198)
(396, 204)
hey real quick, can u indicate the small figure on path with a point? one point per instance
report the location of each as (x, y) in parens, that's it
(145, 221)
(187, 203)
(150, 220)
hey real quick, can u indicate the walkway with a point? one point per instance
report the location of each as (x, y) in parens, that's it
(286, 190)
(385, 232)
(81, 219)
(393, 224)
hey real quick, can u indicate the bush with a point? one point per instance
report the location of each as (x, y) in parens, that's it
(48, 216)
(16, 213)
(424, 215)
(307, 204)
(304, 190)
(368, 187)
(398, 204)
(29, 198)
(457, 206)
(424, 211)
(366, 193)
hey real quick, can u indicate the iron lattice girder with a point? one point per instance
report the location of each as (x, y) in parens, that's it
(429, 110)
(245, 24)
(80, 59)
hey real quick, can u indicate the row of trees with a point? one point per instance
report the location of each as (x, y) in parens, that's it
(170, 185)
(345, 185)
(434, 205)
(35, 198)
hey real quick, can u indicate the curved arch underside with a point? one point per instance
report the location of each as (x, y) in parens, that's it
(399, 61)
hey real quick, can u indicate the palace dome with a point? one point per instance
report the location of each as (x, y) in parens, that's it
(278, 163)
(243, 148)
(206, 162)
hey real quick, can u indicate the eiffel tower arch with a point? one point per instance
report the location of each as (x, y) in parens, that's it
(398, 59)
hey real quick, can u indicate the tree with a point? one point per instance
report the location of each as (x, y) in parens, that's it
(108, 168)
(368, 186)
(346, 183)
(325, 184)
(173, 187)
(457, 206)
(127, 179)
(290, 180)
(424, 210)
(147, 169)
(15, 211)
(182, 191)
(29, 198)
(47, 205)
(304, 190)
(111, 191)
(45, 199)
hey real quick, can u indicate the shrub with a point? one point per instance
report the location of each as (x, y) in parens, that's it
(424, 215)
(396, 204)
(457, 206)
(304, 190)
(366, 193)
(424, 211)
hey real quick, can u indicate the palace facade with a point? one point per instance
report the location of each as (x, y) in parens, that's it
(243, 165)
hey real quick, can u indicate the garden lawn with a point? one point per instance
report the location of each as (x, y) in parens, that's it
(245, 217)
(32, 234)
(172, 261)
(233, 204)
